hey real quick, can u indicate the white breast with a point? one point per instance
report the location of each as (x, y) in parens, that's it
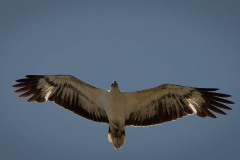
(115, 107)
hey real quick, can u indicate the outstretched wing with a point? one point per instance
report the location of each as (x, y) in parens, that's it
(170, 102)
(68, 92)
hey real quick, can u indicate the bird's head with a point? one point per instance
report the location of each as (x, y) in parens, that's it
(114, 84)
(114, 87)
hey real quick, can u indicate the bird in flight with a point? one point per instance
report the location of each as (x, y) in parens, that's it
(119, 109)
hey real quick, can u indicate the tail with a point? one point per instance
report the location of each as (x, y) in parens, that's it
(117, 137)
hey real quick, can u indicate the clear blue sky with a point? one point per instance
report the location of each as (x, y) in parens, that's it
(141, 44)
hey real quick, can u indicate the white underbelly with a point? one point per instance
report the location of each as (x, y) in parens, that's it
(115, 109)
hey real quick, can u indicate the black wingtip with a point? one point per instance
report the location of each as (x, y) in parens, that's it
(21, 80)
(29, 78)
(15, 85)
(34, 76)
(207, 89)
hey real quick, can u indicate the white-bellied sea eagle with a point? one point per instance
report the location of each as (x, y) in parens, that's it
(120, 109)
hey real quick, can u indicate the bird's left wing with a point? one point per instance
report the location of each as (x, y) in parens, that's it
(68, 92)
(169, 102)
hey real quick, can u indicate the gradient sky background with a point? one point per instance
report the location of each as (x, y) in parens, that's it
(141, 44)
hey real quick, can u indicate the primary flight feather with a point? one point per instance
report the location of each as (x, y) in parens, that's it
(120, 109)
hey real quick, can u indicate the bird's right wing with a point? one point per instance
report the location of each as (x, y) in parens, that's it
(68, 92)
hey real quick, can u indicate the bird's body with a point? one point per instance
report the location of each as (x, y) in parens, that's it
(120, 109)
(117, 112)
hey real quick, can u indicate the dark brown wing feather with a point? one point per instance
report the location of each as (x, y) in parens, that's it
(172, 106)
(65, 92)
